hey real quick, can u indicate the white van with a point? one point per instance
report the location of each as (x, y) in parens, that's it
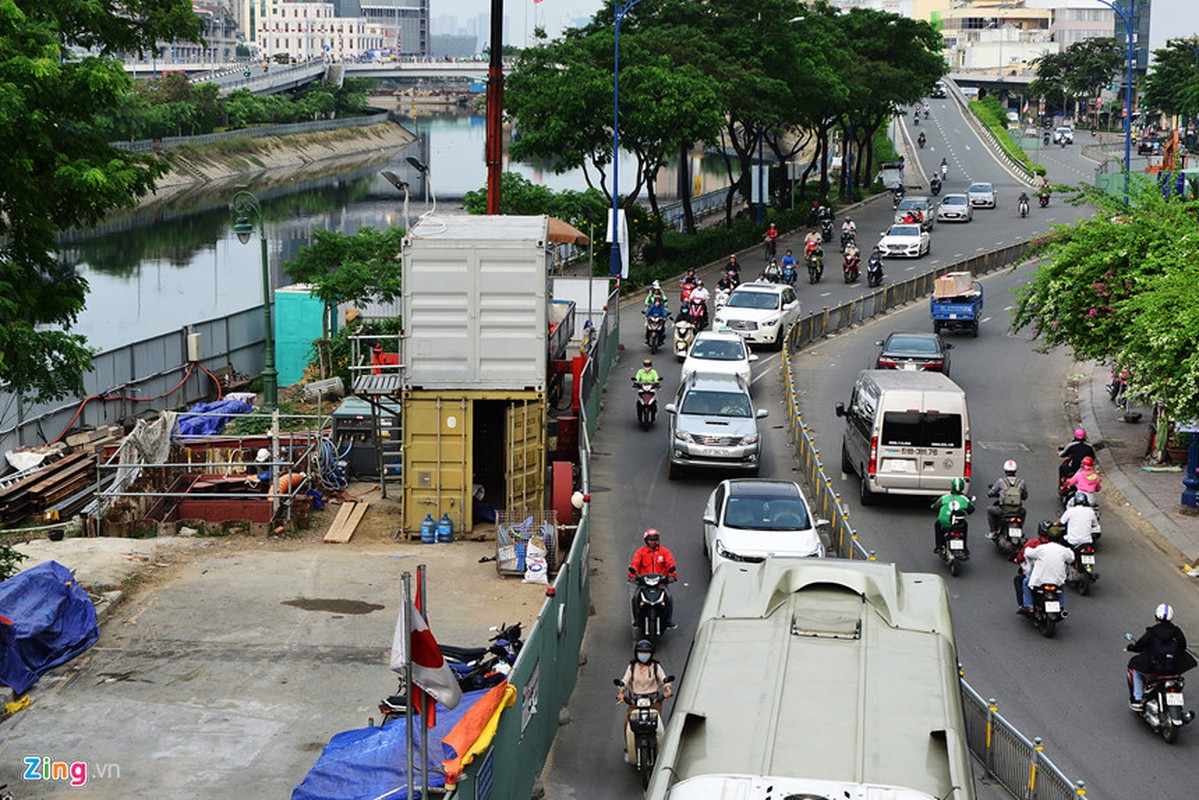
(905, 433)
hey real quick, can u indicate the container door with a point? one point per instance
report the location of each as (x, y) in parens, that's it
(525, 447)
(437, 458)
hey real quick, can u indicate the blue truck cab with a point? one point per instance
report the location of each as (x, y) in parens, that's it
(958, 313)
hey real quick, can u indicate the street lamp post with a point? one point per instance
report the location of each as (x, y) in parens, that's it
(244, 205)
(620, 11)
(1127, 19)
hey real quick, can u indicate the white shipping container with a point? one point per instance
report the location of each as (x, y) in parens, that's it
(475, 310)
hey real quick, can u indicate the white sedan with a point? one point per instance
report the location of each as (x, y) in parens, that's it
(759, 312)
(749, 519)
(718, 351)
(908, 241)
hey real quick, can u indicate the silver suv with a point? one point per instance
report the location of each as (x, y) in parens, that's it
(920, 206)
(713, 424)
(1063, 134)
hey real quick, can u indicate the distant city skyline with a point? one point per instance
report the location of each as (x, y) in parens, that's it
(522, 15)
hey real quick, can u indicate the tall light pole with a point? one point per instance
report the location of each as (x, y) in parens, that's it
(244, 205)
(614, 268)
(1127, 19)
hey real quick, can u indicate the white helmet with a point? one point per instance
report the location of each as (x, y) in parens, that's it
(657, 284)
(1009, 467)
(263, 455)
(1164, 613)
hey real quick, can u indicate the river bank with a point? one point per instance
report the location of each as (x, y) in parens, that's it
(269, 160)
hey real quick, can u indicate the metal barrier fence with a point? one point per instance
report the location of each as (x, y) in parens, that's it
(1018, 764)
(288, 129)
(545, 672)
(601, 355)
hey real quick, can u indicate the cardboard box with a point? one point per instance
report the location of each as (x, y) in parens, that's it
(953, 284)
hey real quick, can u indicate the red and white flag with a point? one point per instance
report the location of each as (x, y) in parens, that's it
(429, 670)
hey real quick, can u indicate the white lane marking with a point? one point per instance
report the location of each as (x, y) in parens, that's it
(825, 294)
(1008, 308)
(909, 269)
(957, 255)
(1000, 243)
(985, 319)
(965, 145)
(978, 249)
(934, 261)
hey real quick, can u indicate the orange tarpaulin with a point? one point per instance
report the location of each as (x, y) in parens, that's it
(565, 232)
(475, 730)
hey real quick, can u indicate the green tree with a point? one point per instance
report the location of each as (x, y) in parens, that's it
(1093, 62)
(1053, 70)
(349, 269)
(1119, 288)
(58, 173)
(1172, 85)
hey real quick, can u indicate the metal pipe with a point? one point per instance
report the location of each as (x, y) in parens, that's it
(495, 103)
(616, 262)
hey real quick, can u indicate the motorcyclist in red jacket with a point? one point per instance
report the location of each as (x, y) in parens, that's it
(654, 559)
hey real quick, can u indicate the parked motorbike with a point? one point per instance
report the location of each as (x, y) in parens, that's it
(650, 598)
(684, 335)
(874, 270)
(1047, 609)
(1082, 572)
(1043, 199)
(655, 332)
(826, 230)
(643, 730)
(647, 402)
(1009, 537)
(934, 186)
(1023, 206)
(1162, 704)
(851, 267)
(815, 261)
(473, 667)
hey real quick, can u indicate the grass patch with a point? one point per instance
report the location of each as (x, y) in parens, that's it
(990, 113)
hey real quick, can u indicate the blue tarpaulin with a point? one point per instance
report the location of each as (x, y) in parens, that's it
(46, 619)
(189, 425)
(372, 763)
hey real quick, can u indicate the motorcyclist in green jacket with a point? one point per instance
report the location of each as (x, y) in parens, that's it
(945, 513)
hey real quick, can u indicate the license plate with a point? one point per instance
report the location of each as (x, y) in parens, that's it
(896, 465)
(953, 316)
(1088, 559)
(1174, 698)
(1015, 533)
(957, 544)
(909, 366)
(1052, 606)
(712, 452)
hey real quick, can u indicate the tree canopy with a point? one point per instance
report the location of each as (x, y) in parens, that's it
(1172, 85)
(1081, 70)
(57, 172)
(1120, 288)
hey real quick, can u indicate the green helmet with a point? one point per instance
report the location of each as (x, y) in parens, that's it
(957, 486)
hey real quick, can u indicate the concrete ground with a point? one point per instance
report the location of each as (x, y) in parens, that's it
(230, 663)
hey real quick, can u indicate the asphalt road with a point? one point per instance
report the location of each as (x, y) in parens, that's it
(1069, 690)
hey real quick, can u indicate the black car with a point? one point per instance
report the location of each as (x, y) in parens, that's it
(1147, 147)
(914, 351)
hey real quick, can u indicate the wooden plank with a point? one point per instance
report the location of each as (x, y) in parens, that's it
(46, 471)
(342, 534)
(343, 514)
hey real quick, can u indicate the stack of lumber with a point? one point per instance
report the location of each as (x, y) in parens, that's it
(46, 487)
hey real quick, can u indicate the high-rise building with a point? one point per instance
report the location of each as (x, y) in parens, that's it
(401, 25)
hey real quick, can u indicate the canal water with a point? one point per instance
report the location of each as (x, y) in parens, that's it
(158, 269)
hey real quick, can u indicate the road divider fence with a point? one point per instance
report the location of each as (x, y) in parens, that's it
(1012, 759)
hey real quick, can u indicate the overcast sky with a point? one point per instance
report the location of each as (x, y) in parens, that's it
(521, 14)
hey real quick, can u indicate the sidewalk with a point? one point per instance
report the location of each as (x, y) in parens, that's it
(1153, 494)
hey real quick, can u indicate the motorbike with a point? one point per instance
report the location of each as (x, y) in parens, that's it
(1023, 206)
(698, 311)
(926, 113)
(874, 271)
(771, 246)
(684, 335)
(944, 172)
(1082, 572)
(687, 287)
(650, 597)
(815, 261)
(920, 141)
(655, 332)
(772, 272)
(1047, 609)
(790, 275)
(721, 298)
(896, 195)
(916, 119)
(851, 267)
(826, 230)
(848, 238)
(643, 730)
(1043, 199)
(1063, 142)
(473, 667)
(1069, 493)
(1009, 537)
(934, 186)
(1162, 703)
(647, 402)
(955, 553)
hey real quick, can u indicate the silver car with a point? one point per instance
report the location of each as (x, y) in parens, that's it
(982, 195)
(955, 208)
(713, 424)
(921, 207)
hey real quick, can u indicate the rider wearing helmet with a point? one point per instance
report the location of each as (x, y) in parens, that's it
(700, 292)
(655, 293)
(945, 514)
(1079, 520)
(654, 559)
(647, 373)
(1086, 481)
(1010, 493)
(1023, 566)
(1047, 563)
(643, 676)
(1161, 650)
(1074, 451)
